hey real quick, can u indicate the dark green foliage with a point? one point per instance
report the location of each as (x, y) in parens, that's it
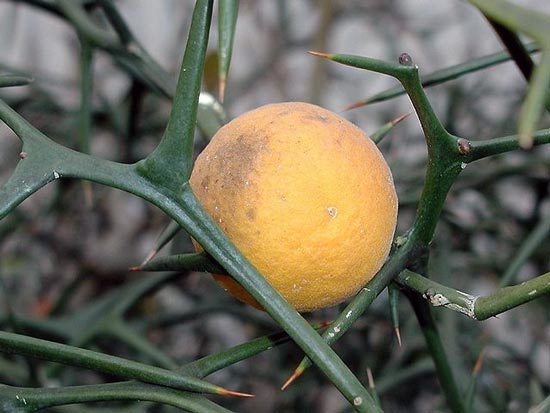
(161, 179)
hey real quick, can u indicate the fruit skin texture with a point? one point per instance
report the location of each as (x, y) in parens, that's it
(305, 195)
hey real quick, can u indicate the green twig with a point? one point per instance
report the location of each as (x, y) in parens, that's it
(477, 307)
(97, 36)
(61, 353)
(14, 80)
(542, 407)
(444, 75)
(117, 21)
(23, 400)
(393, 293)
(381, 133)
(86, 90)
(536, 237)
(482, 149)
(175, 150)
(121, 331)
(227, 21)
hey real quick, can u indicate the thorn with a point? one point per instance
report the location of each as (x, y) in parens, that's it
(356, 105)
(397, 335)
(526, 140)
(225, 392)
(320, 54)
(400, 118)
(297, 373)
(88, 194)
(221, 88)
(325, 323)
(370, 379)
(479, 363)
(135, 269)
(149, 257)
(43, 307)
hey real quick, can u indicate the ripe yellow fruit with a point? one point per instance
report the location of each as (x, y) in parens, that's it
(305, 195)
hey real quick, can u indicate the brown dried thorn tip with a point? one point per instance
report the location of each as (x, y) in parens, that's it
(320, 54)
(149, 256)
(297, 373)
(356, 105)
(400, 118)
(370, 379)
(135, 269)
(479, 363)
(397, 335)
(225, 392)
(221, 88)
(325, 323)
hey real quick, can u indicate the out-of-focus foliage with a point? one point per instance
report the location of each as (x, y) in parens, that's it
(65, 253)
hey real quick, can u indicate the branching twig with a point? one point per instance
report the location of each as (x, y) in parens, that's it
(476, 307)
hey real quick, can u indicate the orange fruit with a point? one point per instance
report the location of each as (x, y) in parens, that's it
(305, 195)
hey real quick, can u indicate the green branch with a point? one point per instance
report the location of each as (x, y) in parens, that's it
(172, 159)
(449, 73)
(23, 400)
(97, 36)
(14, 80)
(476, 307)
(32, 347)
(227, 20)
(490, 147)
(536, 237)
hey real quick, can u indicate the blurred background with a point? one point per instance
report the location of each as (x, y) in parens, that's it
(86, 236)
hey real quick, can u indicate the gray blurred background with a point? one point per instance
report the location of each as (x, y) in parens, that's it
(59, 235)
